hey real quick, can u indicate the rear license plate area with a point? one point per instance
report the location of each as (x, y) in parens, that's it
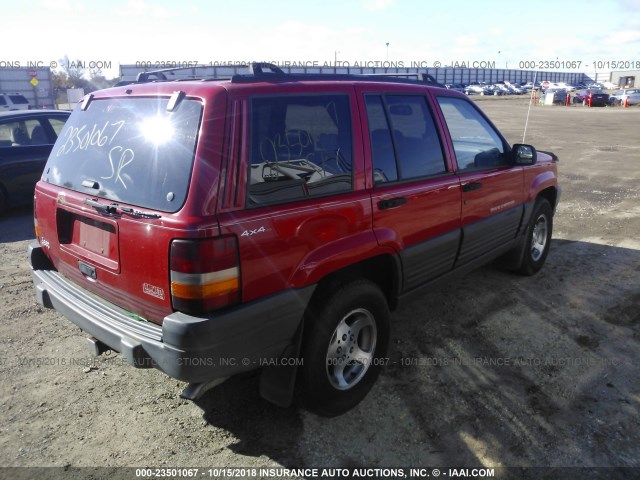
(90, 239)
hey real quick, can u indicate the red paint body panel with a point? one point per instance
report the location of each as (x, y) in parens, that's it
(142, 245)
(540, 176)
(299, 242)
(502, 188)
(432, 209)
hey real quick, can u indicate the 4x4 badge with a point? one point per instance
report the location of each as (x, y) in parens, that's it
(248, 233)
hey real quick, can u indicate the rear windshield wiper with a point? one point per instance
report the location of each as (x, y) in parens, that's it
(115, 209)
(101, 207)
(136, 213)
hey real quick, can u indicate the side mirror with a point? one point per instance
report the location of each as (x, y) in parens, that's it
(523, 154)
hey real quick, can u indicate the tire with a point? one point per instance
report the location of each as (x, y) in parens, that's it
(332, 381)
(538, 238)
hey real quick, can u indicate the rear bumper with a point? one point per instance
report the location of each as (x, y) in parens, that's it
(192, 349)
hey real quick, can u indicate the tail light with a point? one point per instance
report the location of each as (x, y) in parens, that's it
(205, 274)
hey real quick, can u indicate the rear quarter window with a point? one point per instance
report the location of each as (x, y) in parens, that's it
(131, 150)
(301, 146)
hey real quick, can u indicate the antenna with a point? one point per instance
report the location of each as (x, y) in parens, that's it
(533, 89)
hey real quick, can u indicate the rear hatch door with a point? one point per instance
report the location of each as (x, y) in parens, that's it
(106, 206)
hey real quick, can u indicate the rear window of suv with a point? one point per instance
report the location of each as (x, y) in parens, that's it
(18, 99)
(129, 150)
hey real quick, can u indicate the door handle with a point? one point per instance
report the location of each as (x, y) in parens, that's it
(392, 202)
(469, 187)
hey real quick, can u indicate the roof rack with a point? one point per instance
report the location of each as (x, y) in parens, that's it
(277, 74)
(270, 72)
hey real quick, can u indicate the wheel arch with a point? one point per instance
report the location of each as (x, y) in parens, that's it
(384, 270)
(551, 195)
(543, 185)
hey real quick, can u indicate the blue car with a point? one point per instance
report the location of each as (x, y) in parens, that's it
(26, 139)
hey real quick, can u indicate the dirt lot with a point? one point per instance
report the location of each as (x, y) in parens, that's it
(492, 370)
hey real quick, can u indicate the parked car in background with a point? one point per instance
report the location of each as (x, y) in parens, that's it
(559, 94)
(591, 97)
(498, 89)
(631, 95)
(474, 89)
(493, 90)
(13, 101)
(26, 139)
(456, 87)
(564, 86)
(517, 89)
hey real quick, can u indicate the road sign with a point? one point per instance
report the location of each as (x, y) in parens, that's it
(34, 81)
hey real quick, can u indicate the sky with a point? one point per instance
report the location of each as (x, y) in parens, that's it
(504, 32)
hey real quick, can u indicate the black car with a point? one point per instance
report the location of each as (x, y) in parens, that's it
(26, 139)
(591, 97)
(559, 95)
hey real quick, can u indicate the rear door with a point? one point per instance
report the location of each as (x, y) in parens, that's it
(415, 195)
(492, 188)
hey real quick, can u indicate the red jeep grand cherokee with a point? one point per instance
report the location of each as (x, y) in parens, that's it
(271, 221)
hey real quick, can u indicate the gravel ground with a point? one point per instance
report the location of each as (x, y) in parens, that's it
(491, 370)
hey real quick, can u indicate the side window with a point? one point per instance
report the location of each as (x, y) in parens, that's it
(476, 143)
(301, 146)
(5, 134)
(20, 133)
(384, 158)
(57, 125)
(404, 139)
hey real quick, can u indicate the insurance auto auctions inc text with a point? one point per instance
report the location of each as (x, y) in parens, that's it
(349, 472)
(362, 64)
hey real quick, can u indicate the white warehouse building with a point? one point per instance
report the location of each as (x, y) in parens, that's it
(34, 83)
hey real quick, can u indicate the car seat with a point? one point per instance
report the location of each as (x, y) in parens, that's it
(38, 136)
(19, 136)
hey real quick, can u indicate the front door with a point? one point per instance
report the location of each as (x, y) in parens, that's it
(492, 188)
